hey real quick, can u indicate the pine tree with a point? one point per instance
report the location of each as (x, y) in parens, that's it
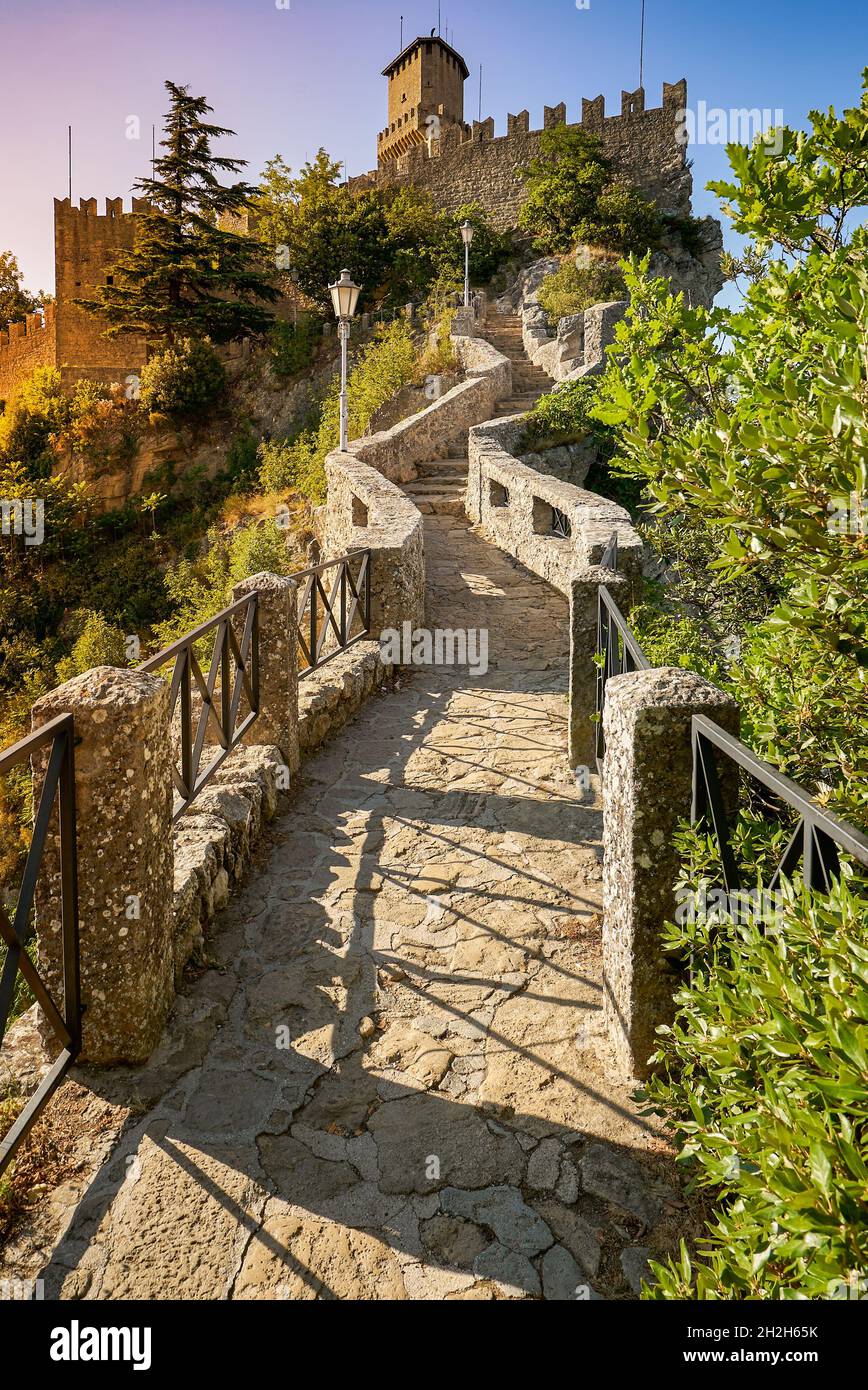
(186, 276)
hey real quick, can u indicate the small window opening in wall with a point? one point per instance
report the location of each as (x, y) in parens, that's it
(498, 495)
(360, 512)
(109, 279)
(549, 521)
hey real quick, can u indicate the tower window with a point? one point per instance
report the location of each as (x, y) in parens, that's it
(109, 279)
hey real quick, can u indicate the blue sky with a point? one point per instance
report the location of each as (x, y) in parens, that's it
(289, 80)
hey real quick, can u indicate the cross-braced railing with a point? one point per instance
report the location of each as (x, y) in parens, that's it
(334, 608)
(231, 684)
(617, 652)
(817, 838)
(55, 813)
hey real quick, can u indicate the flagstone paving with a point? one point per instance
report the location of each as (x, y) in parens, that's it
(395, 1085)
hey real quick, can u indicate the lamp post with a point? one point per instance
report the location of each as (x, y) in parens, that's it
(467, 237)
(345, 297)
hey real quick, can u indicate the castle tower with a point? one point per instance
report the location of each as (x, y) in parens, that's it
(426, 93)
(85, 245)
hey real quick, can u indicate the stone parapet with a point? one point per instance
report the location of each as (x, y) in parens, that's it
(647, 783)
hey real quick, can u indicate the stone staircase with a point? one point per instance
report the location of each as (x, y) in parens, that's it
(440, 483)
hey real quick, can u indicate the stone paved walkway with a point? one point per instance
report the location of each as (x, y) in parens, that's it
(396, 1086)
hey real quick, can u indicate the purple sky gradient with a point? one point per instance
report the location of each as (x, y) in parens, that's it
(290, 80)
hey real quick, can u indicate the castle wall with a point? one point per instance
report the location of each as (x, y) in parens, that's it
(26, 346)
(85, 246)
(486, 169)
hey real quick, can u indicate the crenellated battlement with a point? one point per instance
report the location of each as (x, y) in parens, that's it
(461, 163)
(65, 210)
(26, 329)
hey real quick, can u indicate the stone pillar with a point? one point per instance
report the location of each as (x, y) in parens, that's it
(646, 791)
(584, 588)
(125, 860)
(277, 723)
(464, 323)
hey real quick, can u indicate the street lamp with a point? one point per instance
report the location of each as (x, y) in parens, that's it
(345, 297)
(467, 237)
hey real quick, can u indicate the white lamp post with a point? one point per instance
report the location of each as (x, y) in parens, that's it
(345, 297)
(467, 237)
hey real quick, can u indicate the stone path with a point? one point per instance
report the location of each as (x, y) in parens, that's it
(395, 1086)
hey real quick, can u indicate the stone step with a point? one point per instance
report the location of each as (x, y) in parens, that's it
(445, 469)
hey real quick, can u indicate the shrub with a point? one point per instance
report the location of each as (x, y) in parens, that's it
(104, 427)
(40, 411)
(572, 289)
(381, 369)
(292, 345)
(98, 644)
(764, 1079)
(563, 416)
(241, 457)
(184, 379)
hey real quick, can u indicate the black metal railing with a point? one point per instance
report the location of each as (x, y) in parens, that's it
(561, 525)
(231, 684)
(55, 813)
(818, 835)
(333, 615)
(617, 652)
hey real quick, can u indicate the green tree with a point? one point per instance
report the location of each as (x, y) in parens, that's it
(187, 275)
(15, 300)
(748, 428)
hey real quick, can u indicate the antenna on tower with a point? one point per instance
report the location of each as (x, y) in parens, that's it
(401, 49)
(69, 160)
(642, 45)
(480, 91)
(438, 18)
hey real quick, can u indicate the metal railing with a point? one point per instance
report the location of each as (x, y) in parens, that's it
(818, 834)
(617, 652)
(331, 619)
(233, 676)
(57, 791)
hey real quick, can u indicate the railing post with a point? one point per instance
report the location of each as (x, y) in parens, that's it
(584, 599)
(647, 789)
(125, 860)
(277, 621)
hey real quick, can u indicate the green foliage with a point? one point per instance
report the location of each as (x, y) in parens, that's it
(764, 1079)
(241, 458)
(187, 275)
(673, 639)
(199, 588)
(572, 289)
(381, 369)
(747, 428)
(397, 243)
(184, 379)
(292, 345)
(40, 411)
(572, 196)
(98, 643)
(563, 416)
(15, 300)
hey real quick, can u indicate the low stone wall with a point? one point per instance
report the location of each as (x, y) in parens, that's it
(367, 511)
(512, 503)
(332, 695)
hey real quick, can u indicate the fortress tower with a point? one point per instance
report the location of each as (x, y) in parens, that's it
(426, 94)
(86, 244)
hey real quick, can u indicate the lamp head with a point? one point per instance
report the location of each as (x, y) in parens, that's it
(345, 296)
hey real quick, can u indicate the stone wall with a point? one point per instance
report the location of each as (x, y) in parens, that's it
(480, 167)
(366, 511)
(25, 346)
(512, 502)
(86, 244)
